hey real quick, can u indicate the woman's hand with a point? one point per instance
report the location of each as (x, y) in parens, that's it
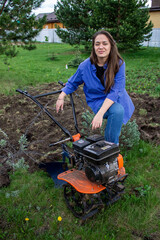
(97, 121)
(60, 102)
(98, 118)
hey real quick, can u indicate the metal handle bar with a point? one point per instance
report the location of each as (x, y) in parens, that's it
(50, 93)
(50, 115)
(21, 91)
(73, 107)
(61, 141)
(45, 94)
(61, 83)
(46, 111)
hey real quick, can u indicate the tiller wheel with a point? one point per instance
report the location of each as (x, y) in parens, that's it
(82, 205)
(85, 198)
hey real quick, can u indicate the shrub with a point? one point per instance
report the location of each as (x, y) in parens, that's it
(87, 120)
(11, 155)
(20, 164)
(29, 47)
(76, 60)
(11, 52)
(130, 134)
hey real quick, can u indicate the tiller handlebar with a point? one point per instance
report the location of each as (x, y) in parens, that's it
(34, 99)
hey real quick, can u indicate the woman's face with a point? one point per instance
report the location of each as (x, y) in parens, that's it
(102, 47)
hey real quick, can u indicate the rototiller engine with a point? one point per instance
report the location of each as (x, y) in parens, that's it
(97, 174)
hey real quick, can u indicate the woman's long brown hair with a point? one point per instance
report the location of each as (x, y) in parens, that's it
(113, 61)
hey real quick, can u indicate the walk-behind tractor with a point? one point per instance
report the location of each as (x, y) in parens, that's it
(97, 175)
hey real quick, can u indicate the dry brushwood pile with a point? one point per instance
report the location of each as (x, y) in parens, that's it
(19, 115)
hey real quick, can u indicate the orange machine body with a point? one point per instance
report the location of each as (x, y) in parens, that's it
(82, 184)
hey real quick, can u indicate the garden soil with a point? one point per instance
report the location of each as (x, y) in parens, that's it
(19, 115)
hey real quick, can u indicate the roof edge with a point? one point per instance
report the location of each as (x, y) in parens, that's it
(153, 9)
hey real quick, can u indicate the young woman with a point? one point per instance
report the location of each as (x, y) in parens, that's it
(103, 79)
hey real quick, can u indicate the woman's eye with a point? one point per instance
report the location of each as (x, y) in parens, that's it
(104, 44)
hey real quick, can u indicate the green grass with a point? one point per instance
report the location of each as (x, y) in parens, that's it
(33, 196)
(31, 68)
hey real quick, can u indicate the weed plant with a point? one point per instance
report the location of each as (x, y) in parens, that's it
(12, 156)
(76, 60)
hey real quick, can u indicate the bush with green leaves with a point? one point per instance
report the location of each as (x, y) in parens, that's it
(130, 134)
(11, 52)
(87, 117)
(29, 47)
(20, 164)
(10, 154)
(76, 60)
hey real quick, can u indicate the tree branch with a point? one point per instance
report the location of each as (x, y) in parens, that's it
(3, 7)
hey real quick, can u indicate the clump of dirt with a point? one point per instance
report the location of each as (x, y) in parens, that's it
(147, 117)
(19, 115)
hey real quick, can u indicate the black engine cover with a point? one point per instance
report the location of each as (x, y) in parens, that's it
(100, 152)
(100, 157)
(102, 174)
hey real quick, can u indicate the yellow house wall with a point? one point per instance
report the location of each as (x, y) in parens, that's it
(53, 25)
(155, 18)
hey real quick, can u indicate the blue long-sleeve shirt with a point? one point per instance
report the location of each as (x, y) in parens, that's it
(95, 91)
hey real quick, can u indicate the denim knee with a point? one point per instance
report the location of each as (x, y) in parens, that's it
(116, 109)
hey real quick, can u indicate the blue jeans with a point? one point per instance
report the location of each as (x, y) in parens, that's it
(114, 116)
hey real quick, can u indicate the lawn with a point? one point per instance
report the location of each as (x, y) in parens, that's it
(32, 208)
(38, 66)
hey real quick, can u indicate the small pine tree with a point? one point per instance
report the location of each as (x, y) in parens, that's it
(18, 24)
